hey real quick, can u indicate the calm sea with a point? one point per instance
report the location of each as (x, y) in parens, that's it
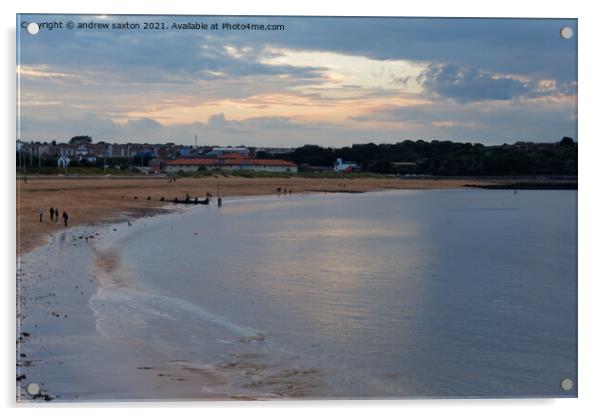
(402, 293)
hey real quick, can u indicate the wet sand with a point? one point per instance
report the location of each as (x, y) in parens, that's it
(94, 200)
(62, 347)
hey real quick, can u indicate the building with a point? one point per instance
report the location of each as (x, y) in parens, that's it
(343, 166)
(221, 151)
(275, 150)
(231, 163)
(155, 165)
(63, 161)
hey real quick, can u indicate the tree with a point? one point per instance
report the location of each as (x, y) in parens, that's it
(263, 155)
(80, 140)
(313, 155)
(567, 141)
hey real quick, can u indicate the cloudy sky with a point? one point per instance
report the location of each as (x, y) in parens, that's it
(327, 81)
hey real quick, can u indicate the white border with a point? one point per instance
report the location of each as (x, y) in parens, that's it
(589, 208)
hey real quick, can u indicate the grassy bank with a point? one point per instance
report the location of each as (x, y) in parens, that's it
(77, 171)
(256, 174)
(95, 171)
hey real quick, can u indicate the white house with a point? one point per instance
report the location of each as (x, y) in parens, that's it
(344, 166)
(63, 161)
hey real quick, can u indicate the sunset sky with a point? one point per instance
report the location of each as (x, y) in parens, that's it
(327, 81)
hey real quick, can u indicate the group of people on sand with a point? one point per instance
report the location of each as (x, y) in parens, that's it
(54, 215)
(284, 191)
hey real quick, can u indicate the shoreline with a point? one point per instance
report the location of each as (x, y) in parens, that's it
(61, 323)
(60, 335)
(99, 200)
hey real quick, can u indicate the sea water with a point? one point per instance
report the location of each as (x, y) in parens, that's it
(406, 293)
(430, 293)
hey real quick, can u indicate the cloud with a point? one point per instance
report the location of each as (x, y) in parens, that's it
(531, 47)
(321, 80)
(469, 84)
(531, 119)
(519, 46)
(143, 124)
(126, 57)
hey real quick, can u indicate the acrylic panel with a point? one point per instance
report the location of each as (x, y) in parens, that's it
(279, 207)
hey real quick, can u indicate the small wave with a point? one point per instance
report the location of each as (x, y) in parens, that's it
(179, 305)
(121, 303)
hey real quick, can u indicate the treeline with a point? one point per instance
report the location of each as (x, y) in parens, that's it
(445, 158)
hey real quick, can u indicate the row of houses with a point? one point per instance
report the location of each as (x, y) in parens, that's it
(171, 158)
(94, 151)
(238, 161)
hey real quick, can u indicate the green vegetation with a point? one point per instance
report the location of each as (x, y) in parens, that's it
(446, 158)
(339, 175)
(435, 158)
(80, 170)
(80, 140)
(253, 174)
(235, 173)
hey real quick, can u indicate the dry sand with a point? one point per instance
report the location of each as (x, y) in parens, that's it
(91, 200)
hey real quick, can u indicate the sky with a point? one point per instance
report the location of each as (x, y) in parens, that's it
(326, 81)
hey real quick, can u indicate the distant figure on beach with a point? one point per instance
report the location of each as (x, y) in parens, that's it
(56, 215)
(515, 192)
(51, 214)
(41, 214)
(65, 217)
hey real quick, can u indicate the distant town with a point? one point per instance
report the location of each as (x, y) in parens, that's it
(81, 151)
(407, 157)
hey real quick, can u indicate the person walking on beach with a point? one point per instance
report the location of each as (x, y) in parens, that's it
(56, 215)
(41, 214)
(65, 217)
(51, 214)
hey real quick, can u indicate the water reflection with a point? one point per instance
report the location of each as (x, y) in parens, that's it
(402, 293)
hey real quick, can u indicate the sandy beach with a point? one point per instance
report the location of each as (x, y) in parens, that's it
(93, 200)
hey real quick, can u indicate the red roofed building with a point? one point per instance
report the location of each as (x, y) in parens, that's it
(234, 156)
(228, 162)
